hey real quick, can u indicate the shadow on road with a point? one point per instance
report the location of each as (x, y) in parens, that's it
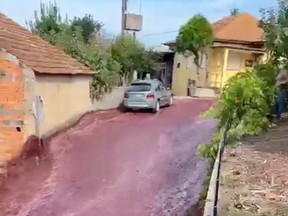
(195, 210)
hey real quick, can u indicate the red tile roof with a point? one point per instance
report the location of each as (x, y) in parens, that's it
(242, 27)
(36, 53)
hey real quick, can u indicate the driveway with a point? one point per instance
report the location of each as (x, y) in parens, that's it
(116, 164)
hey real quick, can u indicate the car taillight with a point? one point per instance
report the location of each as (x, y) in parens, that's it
(150, 96)
(126, 95)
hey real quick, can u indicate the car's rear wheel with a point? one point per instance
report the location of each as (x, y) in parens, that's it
(126, 109)
(157, 107)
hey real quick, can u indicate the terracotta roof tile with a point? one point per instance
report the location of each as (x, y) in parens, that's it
(242, 27)
(36, 53)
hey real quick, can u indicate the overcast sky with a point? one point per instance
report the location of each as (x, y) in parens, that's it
(160, 16)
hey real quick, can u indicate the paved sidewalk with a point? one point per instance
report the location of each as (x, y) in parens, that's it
(254, 177)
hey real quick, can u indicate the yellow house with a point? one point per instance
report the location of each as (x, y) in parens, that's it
(41, 88)
(237, 47)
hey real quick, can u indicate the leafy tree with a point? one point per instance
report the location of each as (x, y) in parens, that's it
(149, 62)
(124, 50)
(48, 22)
(131, 55)
(195, 36)
(246, 100)
(234, 11)
(80, 39)
(73, 37)
(274, 23)
(88, 25)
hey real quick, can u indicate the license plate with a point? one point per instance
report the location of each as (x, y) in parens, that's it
(138, 95)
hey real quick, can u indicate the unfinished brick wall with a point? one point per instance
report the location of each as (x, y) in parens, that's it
(11, 108)
(17, 89)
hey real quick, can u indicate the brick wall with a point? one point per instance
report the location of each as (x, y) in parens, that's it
(11, 108)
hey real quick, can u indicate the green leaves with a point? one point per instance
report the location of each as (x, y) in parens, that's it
(80, 39)
(47, 22)
(234, 11)
(195, 36)
(274, 23)
(74, 38)
(131, 55)
(247, 98)
(89, 27)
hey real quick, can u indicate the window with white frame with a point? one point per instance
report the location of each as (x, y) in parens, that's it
(233, 61)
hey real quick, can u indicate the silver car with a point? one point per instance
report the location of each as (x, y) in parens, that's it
(147, 94)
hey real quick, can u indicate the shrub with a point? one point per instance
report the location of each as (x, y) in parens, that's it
(246, 99)
(267, 72)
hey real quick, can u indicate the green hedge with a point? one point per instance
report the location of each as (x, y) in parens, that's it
(247, 99)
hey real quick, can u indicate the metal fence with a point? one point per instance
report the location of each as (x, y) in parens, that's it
(211, 205)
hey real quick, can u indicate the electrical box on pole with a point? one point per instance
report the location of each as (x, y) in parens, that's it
(133, 22)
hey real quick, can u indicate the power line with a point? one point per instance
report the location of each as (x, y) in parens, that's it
(160, 33)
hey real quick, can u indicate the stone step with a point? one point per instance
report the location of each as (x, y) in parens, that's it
(206, 92)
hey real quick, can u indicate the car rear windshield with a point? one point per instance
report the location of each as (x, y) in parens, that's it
(139, 87)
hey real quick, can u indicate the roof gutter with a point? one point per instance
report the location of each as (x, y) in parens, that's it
(171, 43)
(239, 41)
(62, 74)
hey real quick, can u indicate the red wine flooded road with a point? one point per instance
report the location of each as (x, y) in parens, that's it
(116, 164)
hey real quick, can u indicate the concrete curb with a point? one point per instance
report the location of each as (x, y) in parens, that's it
(210, 198)
(193, 98)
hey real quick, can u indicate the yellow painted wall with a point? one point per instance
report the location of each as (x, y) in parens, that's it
(215, 68)
(183, 73)
(265, 58)
(216, 76)
(230, 73)
(65, 97)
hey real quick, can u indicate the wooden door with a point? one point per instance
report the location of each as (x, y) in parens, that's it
(11, 109)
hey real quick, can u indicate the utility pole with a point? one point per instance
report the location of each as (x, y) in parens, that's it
(124, 11)
(134, 35)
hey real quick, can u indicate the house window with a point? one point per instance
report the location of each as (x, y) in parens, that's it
(178, 65)
(233, 61)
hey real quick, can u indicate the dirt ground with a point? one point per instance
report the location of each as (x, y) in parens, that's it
(254, 179)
